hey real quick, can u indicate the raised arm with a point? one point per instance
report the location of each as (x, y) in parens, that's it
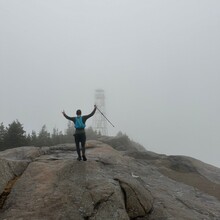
(91, 114)
(66, 116)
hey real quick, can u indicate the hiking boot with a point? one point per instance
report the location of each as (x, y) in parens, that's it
(84, 158)
(79, 158)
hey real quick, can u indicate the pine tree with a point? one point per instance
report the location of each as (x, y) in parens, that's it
(70, 129)
(57, 137)
(69, 132)
(34, 138)
(2, 136)
(43, 138)
(91, 134)
(15, 135)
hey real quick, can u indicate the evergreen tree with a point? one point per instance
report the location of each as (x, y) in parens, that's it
(69, 132)
(61, 138)
(29, 140)
(70, 129)
(2, 136)
(34, 138)
(57, 137)
(44, 137)
(91, 134)
(15, 135)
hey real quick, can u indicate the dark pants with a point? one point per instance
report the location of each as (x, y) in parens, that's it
(80, 138)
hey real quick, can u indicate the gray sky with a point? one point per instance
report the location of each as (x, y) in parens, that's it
(158, 62)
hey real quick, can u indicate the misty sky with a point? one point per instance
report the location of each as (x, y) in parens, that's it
(158, 62)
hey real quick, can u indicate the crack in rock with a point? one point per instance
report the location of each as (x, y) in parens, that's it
(195, 209)
(97, 206)
(16, 168)
(138, 201)
(7, 191)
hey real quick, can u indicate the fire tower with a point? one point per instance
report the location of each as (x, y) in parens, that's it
(99, 122)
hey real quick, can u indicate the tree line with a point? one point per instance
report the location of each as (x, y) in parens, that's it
(14, 135)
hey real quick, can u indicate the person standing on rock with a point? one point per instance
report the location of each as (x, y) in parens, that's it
(80, 135)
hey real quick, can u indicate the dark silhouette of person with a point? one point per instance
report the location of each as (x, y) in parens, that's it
(80, 134)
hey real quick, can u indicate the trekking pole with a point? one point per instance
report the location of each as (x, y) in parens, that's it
(104, 116)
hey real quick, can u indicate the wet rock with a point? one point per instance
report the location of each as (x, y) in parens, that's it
(138, 200)
(51, 184)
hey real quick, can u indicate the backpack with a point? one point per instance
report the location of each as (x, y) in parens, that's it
(79, 123)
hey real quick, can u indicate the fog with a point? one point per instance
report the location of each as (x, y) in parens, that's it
(158, 62)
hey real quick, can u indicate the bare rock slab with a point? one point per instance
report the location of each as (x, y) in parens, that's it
(48, 183)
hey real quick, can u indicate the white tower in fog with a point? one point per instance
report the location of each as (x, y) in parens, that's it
(99, 122)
